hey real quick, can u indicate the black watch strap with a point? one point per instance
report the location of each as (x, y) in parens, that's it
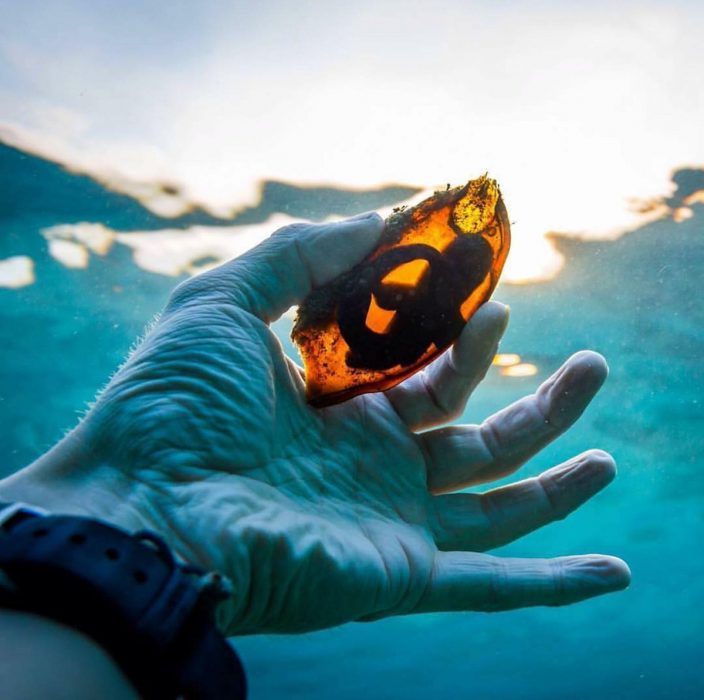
(152, 614)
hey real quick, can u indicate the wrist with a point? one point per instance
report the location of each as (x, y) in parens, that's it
(74, 478)
(127, 592)
(71, 478)
(78, 477)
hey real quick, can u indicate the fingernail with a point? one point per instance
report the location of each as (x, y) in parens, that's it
(612, 573)
(581, 478)
(593, 574)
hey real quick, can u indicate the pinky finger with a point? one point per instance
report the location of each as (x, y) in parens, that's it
(481, 582)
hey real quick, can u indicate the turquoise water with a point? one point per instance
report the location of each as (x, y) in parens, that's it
(636, 300)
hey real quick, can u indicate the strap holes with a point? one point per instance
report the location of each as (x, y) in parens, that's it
(77, 538)
(112, 554)
(40, 532)
(139, 576)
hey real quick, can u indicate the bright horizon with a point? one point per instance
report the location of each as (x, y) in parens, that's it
(573, 109)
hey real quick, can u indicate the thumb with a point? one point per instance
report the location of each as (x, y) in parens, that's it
(281, 271)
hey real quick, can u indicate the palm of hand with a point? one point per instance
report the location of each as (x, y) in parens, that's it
(328, 509)
(325, 516)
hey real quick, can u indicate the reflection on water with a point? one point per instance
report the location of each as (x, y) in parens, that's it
(520, 369)
(506, 359)
(510, 365)
(68, 253)
(16, 271)
(67, 325)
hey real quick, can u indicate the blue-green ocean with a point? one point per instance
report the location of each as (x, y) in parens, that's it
(636, 299)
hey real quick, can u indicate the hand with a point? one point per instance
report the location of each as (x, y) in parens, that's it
(322, 516)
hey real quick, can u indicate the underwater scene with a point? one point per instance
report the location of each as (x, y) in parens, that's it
(80, 283)
(144, 143)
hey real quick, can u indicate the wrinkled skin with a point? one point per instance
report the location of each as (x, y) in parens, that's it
(323, 516)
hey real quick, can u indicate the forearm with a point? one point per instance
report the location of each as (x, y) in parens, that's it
(41, 658)
(150, 613)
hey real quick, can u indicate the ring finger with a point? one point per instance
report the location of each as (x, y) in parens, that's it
(477, 522)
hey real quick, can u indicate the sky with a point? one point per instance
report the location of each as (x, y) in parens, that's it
(574, 107)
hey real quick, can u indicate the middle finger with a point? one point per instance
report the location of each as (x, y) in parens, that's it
(464, 455)
(477, 522)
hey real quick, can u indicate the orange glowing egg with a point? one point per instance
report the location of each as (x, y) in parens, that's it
(392, 314)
